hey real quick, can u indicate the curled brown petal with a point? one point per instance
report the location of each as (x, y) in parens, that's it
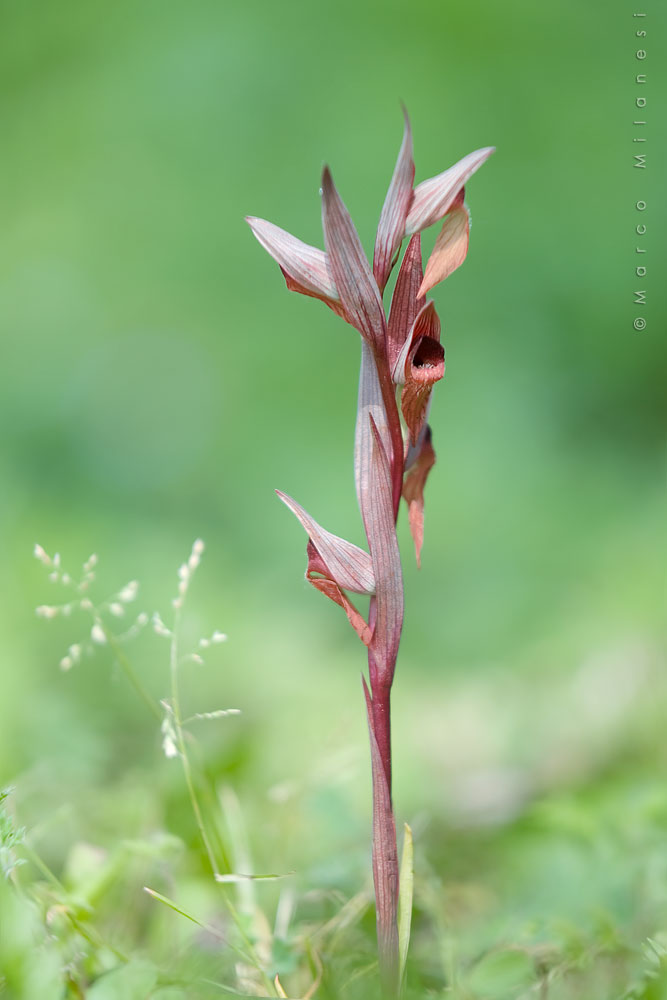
(335, 304)
(318, 573)
(450, 248)
(413, 490)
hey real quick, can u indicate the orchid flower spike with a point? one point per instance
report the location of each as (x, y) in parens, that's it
(403, 350)
(393, 452)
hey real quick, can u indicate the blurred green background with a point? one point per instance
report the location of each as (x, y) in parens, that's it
(158, 382)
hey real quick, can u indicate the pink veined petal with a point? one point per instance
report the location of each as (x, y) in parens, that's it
(391, 227)
(383, 545)
(405, 302)
(385, 858)
(350, 566)
(306, 269)
(351, 272)
(450, 248)
(413, 490)
(334, 566)
(433, 198)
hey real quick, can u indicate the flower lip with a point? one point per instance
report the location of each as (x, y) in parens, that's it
(428, 360)
(420, 365)
(426, 325)
(425, 367)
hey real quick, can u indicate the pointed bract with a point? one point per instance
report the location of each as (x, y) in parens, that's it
(351, 566)
(335, 565)
(413, 490)
(351, 271)
(450, 248)
(433, 198)
(391, 227)
(405, 302)
(318, 573)
(305, 268)
(383, 546)
(369, 403)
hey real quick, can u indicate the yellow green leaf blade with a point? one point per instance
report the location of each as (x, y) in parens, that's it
(405, 893)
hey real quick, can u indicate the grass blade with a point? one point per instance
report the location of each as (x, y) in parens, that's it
(405, 893)
(237, 878)
(177, 909)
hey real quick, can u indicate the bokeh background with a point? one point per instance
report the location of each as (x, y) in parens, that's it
(158, 382)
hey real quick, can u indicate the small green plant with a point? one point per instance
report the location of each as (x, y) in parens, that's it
(252, 948)
(11, 837)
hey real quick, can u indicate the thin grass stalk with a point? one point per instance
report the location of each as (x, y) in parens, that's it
(194, 801)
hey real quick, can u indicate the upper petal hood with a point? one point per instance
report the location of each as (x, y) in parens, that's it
(335, 566)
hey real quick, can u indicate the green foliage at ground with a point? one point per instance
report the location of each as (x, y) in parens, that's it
(158, 382)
